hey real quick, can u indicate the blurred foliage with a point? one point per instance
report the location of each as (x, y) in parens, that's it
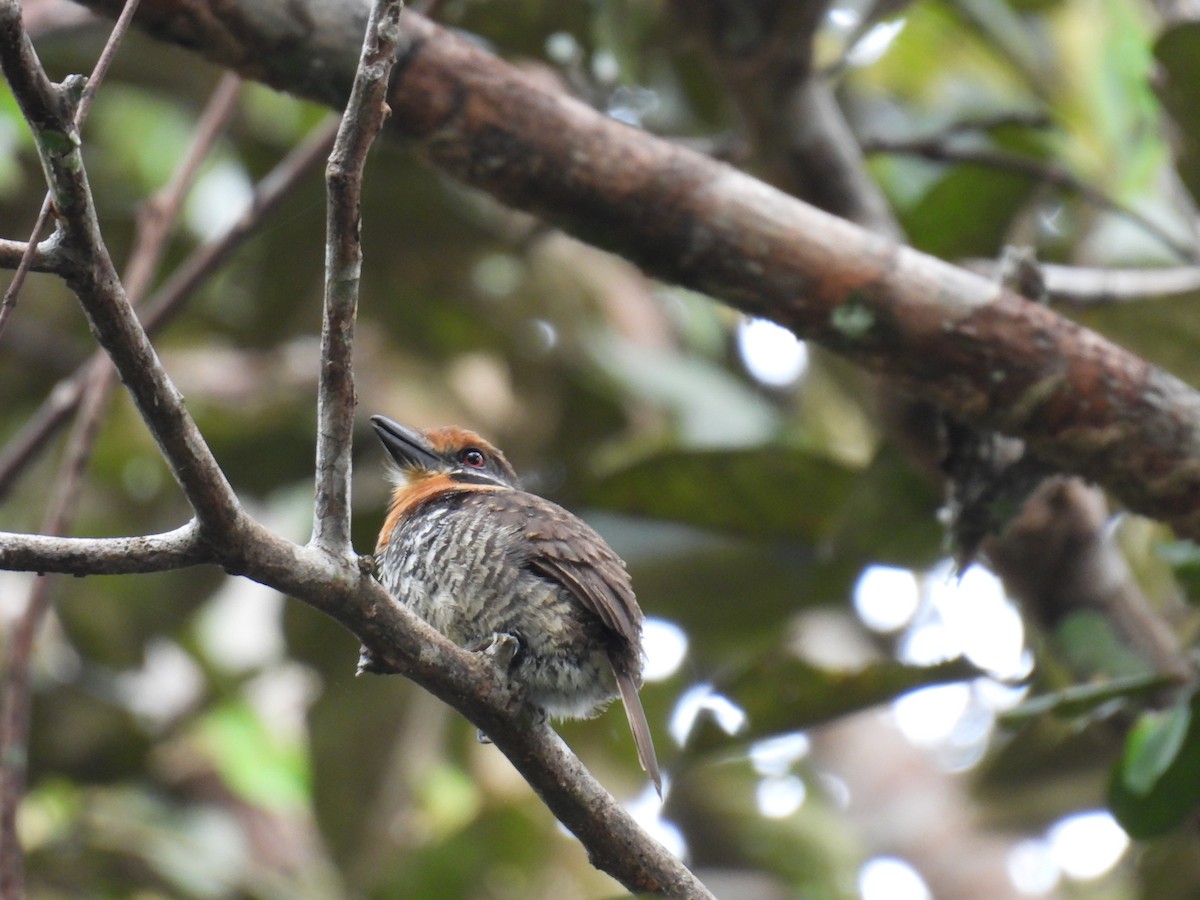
(1177, 52)
(195, 737)
(1155, 788)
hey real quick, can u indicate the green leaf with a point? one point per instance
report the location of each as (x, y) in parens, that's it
(1149, 793)
(767, 492)
(781, 694)
(1083, 699)
(890, 515)
(968, 212)
(260, 766)
(1088, 641)
(1153, 745)
(1178, 55)
(1184, 559)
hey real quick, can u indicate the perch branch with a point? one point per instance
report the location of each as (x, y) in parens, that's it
(350, 595)
(469, 682)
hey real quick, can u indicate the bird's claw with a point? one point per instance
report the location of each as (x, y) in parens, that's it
(501, 648)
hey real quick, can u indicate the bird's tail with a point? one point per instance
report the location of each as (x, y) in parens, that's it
(639, 726)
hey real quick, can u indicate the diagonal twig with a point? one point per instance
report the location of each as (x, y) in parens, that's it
(31, 65)
(1052, 174)
(162, 306)
(15, 692)
(95, 392)
(158, 216)
(1083, 286)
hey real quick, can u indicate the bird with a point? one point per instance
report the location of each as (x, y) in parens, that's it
(496, 568)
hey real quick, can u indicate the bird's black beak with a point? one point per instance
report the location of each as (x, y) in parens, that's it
(407, 446)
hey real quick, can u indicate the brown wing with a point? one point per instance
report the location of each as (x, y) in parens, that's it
(565, 549)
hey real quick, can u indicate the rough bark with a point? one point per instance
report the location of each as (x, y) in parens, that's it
(990, 357)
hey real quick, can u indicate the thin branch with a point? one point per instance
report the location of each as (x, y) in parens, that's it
(1084, 287)
(1036, 170)
(364, 117)
(105, 60)
(159, 215)
(29, 61)
(178, 549)
(348, 593)
(14, 691)
(268, 194)
(114, 324)
(161, 307)
(27, 445)
(43, 259)
(26, 77)
(13, 291)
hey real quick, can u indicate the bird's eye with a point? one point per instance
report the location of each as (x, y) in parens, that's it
(473, 458)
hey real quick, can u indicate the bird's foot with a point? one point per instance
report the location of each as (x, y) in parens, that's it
(502, 648)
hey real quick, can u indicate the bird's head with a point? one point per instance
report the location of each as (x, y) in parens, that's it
(455, 454)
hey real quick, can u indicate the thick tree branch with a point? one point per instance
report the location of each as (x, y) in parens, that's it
(364, 117)
(805, 142)
(990, 357)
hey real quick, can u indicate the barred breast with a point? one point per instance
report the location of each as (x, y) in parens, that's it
(469, 572)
